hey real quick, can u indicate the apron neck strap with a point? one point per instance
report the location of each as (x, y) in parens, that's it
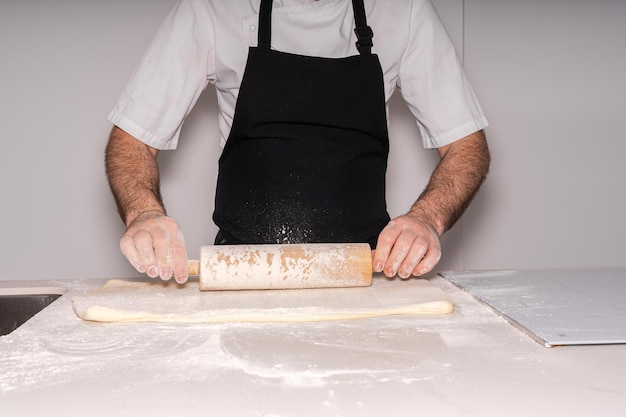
(265, 24)
(363, 32)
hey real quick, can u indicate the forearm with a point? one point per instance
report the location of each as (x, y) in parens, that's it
(452, 186)
(133, 176)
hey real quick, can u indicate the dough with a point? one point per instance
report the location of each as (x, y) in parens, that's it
(157, 301)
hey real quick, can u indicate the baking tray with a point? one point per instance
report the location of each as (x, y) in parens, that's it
(556, 307)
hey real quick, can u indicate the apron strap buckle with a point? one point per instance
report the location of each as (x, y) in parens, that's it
(364, 42)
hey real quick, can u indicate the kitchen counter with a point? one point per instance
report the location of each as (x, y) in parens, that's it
(468, 363)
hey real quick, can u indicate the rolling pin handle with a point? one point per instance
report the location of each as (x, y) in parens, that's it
(194, 267)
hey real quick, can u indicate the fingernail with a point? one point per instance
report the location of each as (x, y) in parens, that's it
(378, 266)
(152, 271)
(165, 274)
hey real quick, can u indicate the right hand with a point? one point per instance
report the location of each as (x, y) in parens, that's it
(154, 245)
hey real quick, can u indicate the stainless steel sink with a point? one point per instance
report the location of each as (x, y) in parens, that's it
(18, 305)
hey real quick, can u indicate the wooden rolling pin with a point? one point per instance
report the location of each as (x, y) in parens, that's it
(293, 266)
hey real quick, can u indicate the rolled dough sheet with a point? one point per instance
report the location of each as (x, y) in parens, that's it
(157, 301)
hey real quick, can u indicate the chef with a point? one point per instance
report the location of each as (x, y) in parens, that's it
(302, 88)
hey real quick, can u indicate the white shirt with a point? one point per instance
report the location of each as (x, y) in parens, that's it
(206, 41)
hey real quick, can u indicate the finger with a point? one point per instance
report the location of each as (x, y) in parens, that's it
(429, 261)
(164, 234)
(163, 253)
(397, 256)
(179, 258)
(414, 257)
(127, 246)
(384, 245)
(145, 247)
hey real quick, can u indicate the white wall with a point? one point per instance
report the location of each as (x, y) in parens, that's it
(550, 82)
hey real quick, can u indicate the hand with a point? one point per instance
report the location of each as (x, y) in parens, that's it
(154, 245)
(407, 246)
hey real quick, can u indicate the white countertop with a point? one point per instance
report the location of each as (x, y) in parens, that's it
(469, 363)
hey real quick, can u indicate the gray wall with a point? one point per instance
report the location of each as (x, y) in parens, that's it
(549, 76)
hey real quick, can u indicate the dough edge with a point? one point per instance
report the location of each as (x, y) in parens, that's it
(98, 313)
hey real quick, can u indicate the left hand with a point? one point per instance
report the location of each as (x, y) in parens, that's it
(408, 245)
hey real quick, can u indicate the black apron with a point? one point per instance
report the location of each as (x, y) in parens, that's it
(306, 157)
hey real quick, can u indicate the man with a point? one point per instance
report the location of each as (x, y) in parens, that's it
(303, 125)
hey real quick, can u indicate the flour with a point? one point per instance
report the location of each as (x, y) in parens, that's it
(57, 349)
